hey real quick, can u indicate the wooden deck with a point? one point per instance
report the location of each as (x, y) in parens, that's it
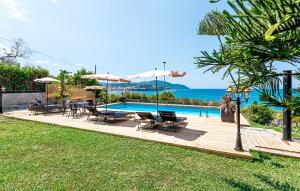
(271, 142)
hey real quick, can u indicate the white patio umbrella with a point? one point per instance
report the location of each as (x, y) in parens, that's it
(105, 77)
(155, 74)
(46, 81)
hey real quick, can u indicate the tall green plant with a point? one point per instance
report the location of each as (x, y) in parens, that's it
(77, 81)
(15, 77)
(257, 33)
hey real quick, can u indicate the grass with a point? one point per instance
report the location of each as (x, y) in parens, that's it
(37, 156)
(270, 126)
(295, 133)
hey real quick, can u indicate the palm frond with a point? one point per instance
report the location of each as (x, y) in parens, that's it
(214, 23)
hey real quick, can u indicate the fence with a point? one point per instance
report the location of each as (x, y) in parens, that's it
(19, 99)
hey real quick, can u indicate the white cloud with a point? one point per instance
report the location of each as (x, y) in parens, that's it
(45, 62)
(81, 65)
(53, 1)
(15, 10)
(42, 62)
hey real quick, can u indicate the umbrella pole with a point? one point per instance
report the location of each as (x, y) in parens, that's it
(106, 95)
(156, 97)
(95, 99)
(47, 93)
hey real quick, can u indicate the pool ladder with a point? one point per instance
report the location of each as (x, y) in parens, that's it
(200, 113)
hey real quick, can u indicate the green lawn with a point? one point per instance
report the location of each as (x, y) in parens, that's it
(36, 156)
(275, 128)
(295, 133)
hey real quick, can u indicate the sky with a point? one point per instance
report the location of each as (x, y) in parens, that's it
(123, 37)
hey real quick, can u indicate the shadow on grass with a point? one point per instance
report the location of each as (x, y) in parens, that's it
(283, 186)
(262, 157)
(274, 184)
(242, 186)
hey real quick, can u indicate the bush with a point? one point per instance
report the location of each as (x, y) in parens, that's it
(15, 77)
(259, 113)
(167, 96)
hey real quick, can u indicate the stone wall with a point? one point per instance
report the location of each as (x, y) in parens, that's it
(20, 100)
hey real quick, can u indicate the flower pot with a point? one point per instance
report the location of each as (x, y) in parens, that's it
(227, 116)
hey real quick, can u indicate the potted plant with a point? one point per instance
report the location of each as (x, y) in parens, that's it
(227, 110)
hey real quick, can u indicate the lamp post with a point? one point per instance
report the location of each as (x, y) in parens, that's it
(239, 96)
(164, 62)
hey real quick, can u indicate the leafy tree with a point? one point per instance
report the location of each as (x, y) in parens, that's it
(17, 50)
(64, 78)
(257, 34)
(77, 81)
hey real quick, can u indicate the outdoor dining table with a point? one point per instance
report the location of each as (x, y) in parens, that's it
(81, 104)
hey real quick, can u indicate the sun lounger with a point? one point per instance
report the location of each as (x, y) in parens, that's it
(41, 108)
(170, 119)
(108, 115)
(148, 118)
(93, 112)
(116, 115)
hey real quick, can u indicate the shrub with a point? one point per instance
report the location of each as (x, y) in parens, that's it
(15, 77)
(259, 113)
(114, 98)
(167, 96)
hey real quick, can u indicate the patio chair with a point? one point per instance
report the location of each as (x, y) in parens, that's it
(36, 107)
(74, 110)
(170, 119)
(148, 118)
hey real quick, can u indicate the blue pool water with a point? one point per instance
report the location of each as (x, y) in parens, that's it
(181, 110)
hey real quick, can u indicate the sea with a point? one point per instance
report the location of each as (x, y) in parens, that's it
(203, 94)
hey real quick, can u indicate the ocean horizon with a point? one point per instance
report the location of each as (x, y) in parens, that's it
(201, 94)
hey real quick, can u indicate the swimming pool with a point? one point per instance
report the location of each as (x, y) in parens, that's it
(181, 110)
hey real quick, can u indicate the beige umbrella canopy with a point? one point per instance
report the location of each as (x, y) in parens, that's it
(46, 81)
(157, 73)
(105, 77)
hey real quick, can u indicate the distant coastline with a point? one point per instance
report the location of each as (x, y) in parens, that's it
(146, 86)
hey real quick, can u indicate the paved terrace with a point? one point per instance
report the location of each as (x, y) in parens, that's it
(201, 133)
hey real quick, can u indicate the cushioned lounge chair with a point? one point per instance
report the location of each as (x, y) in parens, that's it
(93, 112)
(170, 119)
(147, 118)
(109, 115)
(116, 115)
(41, 108)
